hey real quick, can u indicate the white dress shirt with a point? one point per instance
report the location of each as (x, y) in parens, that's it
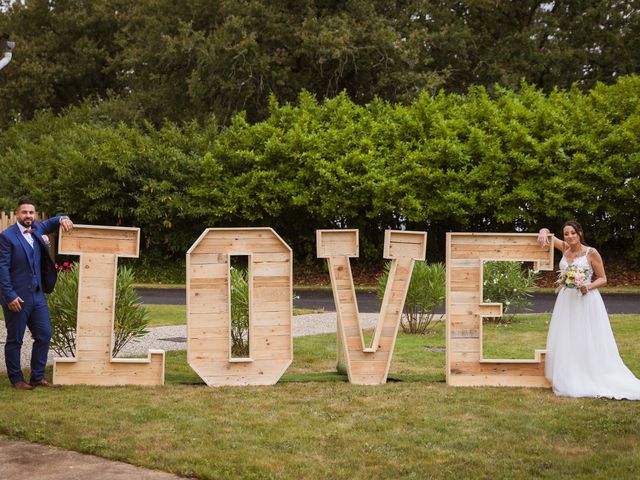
(28, 237)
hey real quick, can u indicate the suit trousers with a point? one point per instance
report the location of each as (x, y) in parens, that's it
(35, 316)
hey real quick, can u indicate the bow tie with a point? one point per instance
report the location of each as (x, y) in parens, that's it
(28, 230)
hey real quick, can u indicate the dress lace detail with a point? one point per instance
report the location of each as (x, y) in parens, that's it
(580, 261)
(582, 356)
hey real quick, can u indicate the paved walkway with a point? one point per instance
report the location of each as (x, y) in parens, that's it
(29, 461)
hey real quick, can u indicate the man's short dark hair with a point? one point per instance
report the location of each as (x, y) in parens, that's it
(25, 201)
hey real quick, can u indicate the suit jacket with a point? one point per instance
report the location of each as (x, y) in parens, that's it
(16, 265)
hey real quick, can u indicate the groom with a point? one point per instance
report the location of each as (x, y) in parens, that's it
(27, 272)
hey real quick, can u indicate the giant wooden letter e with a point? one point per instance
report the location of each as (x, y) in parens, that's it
(466, 254)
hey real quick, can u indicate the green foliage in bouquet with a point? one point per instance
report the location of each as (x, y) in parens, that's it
(509, 284)
(131, 318)
(426, 294)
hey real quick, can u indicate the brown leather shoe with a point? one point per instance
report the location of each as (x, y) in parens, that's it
(43, 383)
(22, 386)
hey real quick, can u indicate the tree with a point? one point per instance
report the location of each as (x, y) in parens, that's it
(63, 54)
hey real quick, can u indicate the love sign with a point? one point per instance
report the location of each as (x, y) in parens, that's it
(269, 260)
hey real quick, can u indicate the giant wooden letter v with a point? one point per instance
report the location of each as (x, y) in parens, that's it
(99, 248)
(369, 366)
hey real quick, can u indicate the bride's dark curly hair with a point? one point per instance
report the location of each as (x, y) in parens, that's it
(577, 227)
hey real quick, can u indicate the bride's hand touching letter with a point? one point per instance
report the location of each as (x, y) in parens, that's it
(543, 237)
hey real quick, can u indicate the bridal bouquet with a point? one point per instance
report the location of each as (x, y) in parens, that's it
(572, 277)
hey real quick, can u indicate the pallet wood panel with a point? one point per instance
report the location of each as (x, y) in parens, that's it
(209, 309)
(369, 365)
(466, 254)
(99, 248)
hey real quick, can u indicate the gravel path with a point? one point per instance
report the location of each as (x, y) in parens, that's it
(174, 338)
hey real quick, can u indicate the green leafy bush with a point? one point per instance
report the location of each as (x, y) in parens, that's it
(239, 313)
(131, 318)
(63, 307)
(487, 161)
(509, 284)
(426, 294)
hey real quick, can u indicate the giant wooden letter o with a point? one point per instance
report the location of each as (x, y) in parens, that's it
(208, 306)
(99, 248)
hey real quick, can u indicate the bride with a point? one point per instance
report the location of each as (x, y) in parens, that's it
(582, 356)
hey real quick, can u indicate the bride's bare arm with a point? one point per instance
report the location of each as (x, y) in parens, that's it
(543, 239)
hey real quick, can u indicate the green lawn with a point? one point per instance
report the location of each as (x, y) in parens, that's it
(164, 315)
(313, 424)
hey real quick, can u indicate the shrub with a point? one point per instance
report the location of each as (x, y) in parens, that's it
(509, 284)
(239, 313)
(426, 294)
(63, 307)
(131, 318)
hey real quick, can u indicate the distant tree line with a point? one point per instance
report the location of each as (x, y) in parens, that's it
(182, 60)
(499, 160)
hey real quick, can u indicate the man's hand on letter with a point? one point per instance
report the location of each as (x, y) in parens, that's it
(66, 224)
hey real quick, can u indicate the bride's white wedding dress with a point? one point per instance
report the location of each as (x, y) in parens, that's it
(582, 356)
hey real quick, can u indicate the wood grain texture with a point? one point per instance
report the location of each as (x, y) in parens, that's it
(99, 248)
(209, 308)
(465, 309)
(369, 365)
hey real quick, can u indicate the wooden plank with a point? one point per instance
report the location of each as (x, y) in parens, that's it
(121, 241)
(241, 246)
(368, 365)
(464, 309)
(117, 372)
(271, 269)
(535, 381)
(401, 244)
(525, 253)
(209, 270)
(205, 258)
(337, 243)
(99, 248)
(270, 338)
(494, 238)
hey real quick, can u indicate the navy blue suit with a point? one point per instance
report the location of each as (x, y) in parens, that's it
(27, 272)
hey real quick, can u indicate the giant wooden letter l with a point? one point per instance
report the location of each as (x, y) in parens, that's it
(369, 366)
(99, 248)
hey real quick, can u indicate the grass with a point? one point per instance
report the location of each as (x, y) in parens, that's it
(165, 315)
(313, 424)
(529, 332)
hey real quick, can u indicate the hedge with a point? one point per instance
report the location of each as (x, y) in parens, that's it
(512, 160)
